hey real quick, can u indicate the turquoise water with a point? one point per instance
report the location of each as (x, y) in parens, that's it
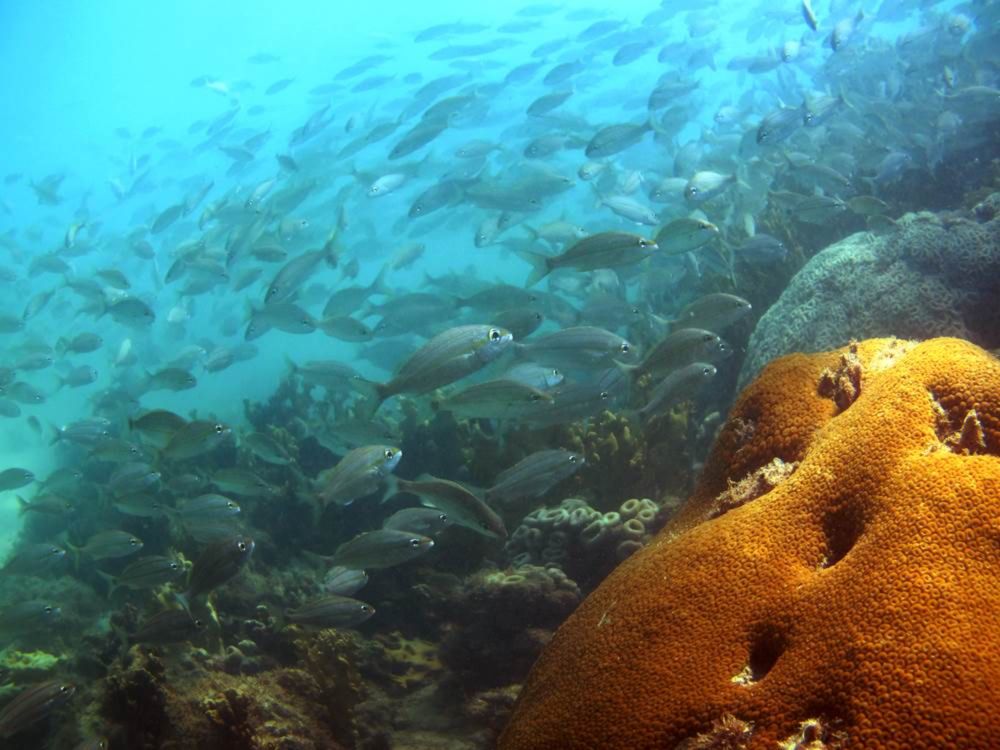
(133, 109)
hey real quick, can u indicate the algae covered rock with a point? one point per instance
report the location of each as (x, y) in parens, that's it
(934, 275)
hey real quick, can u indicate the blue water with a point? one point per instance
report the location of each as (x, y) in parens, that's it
(121, 97)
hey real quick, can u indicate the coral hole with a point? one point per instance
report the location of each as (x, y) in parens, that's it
(842, 528)
(767, 644)
(766, 648)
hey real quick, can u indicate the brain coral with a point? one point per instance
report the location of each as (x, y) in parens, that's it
(846, 596)
(936, 275)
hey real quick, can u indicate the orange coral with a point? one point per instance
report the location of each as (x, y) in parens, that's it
(861, 593)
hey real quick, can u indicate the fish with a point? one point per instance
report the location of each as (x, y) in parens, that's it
(534, 375)
(778, 125)
(578, 347)
(205, 509)
(240, 481)
(266, 448)
(533, 476)
(195, 439)
(170, 379)
(602, 250)
(15, 478)
(217, 564)
(809, 15)
(492, 399)
(33, 704)
(679, 385)
(286, 283)
(705, 185)
(34, 559)
(359, 473)
(384, 548)
(683, 347)
(449, 356)
(423, 521)
(167, 626)
(685, 235)
(107, 545)
(330, 611)
(49, 504)
(132, 477)
(28, 616)
(613, 139)
(462, 507)
(147, 572)
(712, 312)
(762, 249)
(345, 581)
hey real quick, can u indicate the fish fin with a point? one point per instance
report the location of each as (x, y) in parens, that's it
(378, 285)
(540, 267)
(182, 599)
(23, 506)
(112, 582)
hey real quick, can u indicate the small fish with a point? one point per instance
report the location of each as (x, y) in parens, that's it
(867, 205)
(195, 439)
(205, 509)
(603, 250)
(241, 481)
(447, 357)
(521, 321)
(217, 564)
(779, 125)
(33, 704)
(28, 616)
(679, 385)
(712, 312)
(385, 548)
(106, 545)
(359, 473)
(685, 234)
(808, 15)
(586, 347)
(345, 581)
(534, 475)
(82, 343)
(705, 185)
(266, 448)
(49, 504)
(615, 138)
(34, 559)
(167, 626)
(493, 399)
(762, 249)
(170, 379)
(15, 478)
(145, 573)
(132, 477)
(681, 348)
(535, 375)
(460, 505)
(330, 611)
(423, 521)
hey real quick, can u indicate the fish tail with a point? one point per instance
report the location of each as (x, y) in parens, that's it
(378, 286)
(540, 266)
(23, 506)
(182, 599)
(110, 580)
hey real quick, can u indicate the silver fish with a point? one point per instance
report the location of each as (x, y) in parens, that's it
(361, 472)
(534, 475)
(385, 548)
(461, 506)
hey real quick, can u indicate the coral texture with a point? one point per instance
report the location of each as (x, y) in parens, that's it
(936, 275)
(855, 603)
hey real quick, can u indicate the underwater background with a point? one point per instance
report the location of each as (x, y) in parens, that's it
(347, 348)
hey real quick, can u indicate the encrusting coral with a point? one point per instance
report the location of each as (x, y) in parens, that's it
(855, 604)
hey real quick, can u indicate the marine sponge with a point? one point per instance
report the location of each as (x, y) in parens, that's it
(935, 275)
(858, 597)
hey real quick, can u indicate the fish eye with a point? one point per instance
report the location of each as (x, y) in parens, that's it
(706, 371)
(442, 517)
(494, 334)
(389, 453)
(605, 395)
(625, 347)
(64, 689)
(173, 566)
(132, 542)
(241, 546)
(231, 505)
(366, 608)
(48, 609)
(199, 624)
(707, 337)
(219, 429)
(572, 459)
(415, 543)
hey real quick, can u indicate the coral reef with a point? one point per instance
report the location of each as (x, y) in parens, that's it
(582, 541)
(935, 275)
(498, 621)
(855, 603)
